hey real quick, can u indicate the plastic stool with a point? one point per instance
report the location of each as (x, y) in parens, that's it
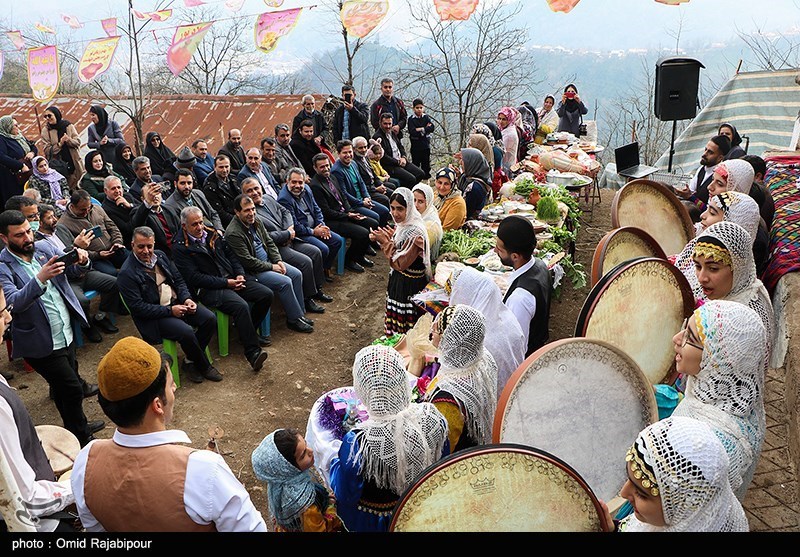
(77, 330)
(171, 347)
(223, 327)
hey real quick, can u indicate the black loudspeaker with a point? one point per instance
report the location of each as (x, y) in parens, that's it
(677, 81)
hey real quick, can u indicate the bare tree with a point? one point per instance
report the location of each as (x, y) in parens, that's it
(772, 51)
(466, 70)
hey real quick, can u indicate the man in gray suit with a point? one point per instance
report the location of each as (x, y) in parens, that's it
(186, 196)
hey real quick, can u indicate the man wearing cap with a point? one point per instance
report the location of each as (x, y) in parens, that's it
(528, 295)
(186, 195)
(146, 478)
(186, 161)
(162, 307)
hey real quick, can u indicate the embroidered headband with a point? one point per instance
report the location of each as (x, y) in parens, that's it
(641, 472)
(712, 249)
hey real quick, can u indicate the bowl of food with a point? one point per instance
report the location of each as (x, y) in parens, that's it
(472, 261)
(525, 208)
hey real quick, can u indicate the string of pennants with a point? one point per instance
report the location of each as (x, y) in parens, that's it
(359, 17)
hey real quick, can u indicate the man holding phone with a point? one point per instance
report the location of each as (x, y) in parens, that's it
(351, 119)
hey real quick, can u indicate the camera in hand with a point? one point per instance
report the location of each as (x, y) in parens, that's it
(348, 97)
(570, 94)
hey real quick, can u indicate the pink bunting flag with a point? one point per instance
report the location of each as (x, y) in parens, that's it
(458, 10)
(44, 28)
(72, 21)
(184, 44)
(162, 15)
(110, 26)
(234, 5)
(16, 38)
(271, 26)
(193, 3)
(44, 75)
(361, 17)
(97, 58)
(562, 5)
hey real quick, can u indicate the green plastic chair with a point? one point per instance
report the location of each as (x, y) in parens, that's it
(223, 328)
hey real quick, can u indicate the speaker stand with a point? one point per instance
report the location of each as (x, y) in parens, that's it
(672, 144)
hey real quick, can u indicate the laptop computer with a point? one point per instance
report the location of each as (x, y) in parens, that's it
(627, 160)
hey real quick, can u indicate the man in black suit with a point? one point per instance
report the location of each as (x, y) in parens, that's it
(234, 151)
(119, 207)
(163, 221)
(351, 119)
(221, 188)
(394, 155)
(216, 278)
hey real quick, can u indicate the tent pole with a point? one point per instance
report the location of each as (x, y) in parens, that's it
(672, 144)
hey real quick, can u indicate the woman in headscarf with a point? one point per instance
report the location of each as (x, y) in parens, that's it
(495, 137)
(97, 170)
(381, 457)
(16, 154)
(62, 141)
(548, 119)
(507, 122)
(722, 347)
(733, 175)
(448, 200)
(297, 503)
(161, 157)
(678, 481)
(481, 143)
(123, 165)
(729, 130)
(475, 182)
(52, 186)
(504, 339)
(570, 111)
(423, 199)
(465, 387)
(408, 250)
(104, 133)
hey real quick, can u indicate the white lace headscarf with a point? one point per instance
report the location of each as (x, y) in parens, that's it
(736, 207)
(399, 440)
(468, 371)
(405, 232)
(728, 392)
(504, 338)
(690, 466)
(747, 289)
(431, 219)
(740, 175)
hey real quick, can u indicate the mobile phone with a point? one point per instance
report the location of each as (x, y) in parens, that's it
(569, 94)
(69, 258)
(348, 97)
(97, 230)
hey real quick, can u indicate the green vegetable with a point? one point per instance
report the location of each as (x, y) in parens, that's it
(547, 209)
(473, 244)
(524, 187)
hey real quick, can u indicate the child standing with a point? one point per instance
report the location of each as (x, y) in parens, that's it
(420, 127)
(296, 501)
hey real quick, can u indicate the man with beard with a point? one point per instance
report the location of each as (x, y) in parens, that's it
(221, 188)
(234, 151)
(186, 196)
(43, 306)
(531, 285)
(304, 146)
(695, 195)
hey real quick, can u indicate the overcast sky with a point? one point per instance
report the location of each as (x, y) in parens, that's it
(592, 24)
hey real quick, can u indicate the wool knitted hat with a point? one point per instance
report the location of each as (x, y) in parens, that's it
(127, 369)
(186, 158)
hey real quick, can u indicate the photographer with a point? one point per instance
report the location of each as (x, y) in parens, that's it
(351, 119)
(570, 111)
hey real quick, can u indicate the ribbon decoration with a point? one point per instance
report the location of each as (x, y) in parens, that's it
(110, 26)
(162, 15)
(16, 38)
(97, 58)
(361, 17)
(271, 26)
(234, 5)
(458, 10)
(562, 5)
(44, 75)
(72, 21)
(44, 28)
(184, 44)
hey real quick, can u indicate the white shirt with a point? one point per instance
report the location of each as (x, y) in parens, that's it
(693, 183)
(211, 492)
(521, 302)
(393, 146)
(41, 497)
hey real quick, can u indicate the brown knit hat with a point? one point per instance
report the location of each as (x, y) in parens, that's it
(127, 369)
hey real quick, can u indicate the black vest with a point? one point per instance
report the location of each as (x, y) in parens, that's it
(538, 281)
(28, 438)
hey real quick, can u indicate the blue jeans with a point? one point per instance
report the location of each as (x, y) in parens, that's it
(378, 212)
(288, 288)
(329, 247)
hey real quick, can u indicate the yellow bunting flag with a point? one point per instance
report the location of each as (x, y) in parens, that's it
(110, 26)
(44, 28)
(271, 26)
(361, 17)
(162, 15)
(44, 75)
(184, 44)
(458, 10)
(72, 21)
(562, 5)
(97, 58)
(16, 38)
(274, 3)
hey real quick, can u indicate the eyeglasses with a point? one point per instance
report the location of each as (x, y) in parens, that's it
(685, 329)
(8, 308)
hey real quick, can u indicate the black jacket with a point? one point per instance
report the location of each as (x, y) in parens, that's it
(388, 161)
(380, 106)
(305, 150)
(320, 125)
(332, 209)
(143, 216)
(359, 121)
(221, 196)
(236, 156)
(122, 216)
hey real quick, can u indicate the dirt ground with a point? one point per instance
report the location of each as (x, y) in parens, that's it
(301, 367)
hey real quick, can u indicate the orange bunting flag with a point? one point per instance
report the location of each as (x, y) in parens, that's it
(97, 58)
(271, 26)
(44, 29)
(193, 3)
(184, 44)
(110, 26)
(72, 21)
(458, 10)
(671, 2)
(361, 17)
(162, 15)
(274, 3)
(234, 5)
(562, 5)
(16, 38)
(44, 75)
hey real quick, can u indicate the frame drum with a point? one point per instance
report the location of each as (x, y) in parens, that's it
(583, 400)
(60, 445)
(652, 207)
(499, 488)
(638, 307)
(621, 245)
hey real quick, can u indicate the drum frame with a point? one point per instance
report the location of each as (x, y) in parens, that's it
(601, 250)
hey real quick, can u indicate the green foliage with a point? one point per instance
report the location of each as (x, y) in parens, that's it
(465, 244)
(547, 209)
(524, 187)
